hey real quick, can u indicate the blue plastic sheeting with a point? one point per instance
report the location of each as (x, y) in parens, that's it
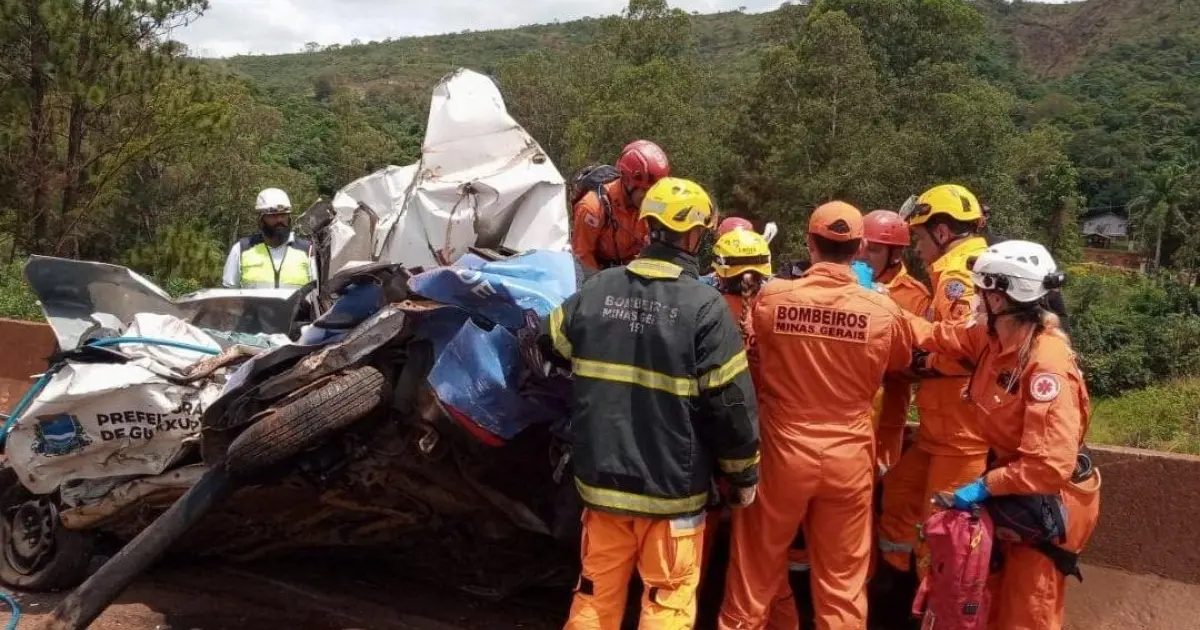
(355, 305)
(501, 291)
(477, 374)
(477, 370)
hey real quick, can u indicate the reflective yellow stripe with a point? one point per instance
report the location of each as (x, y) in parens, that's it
(722, 374)
(562, 345)
(656, 269)
(637, 503)
(734, 466)
(631, 375)
(258, 268)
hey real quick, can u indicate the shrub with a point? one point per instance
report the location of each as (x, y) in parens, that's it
(1131, 330)
(1164, 417)
(16, 300)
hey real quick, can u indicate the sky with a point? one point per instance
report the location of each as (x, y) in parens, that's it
(233, 27)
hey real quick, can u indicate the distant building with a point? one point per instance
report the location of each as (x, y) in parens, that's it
(1105, 230)
(1106, 242)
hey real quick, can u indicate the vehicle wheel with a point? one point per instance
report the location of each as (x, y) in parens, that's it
(36, 552)
(306, 422)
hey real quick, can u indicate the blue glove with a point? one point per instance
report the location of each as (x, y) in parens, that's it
(971, 495)
(710, 279)
(866, 275)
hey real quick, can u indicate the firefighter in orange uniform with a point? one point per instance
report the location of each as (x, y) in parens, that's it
(663, 398)
(607, 231)
(949, 450)
(885, 237)
(824, 345)
(1028, 387)
(742, 265)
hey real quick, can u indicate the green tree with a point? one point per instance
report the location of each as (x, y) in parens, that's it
(86, 80)
(1158, 210)
(810, 130)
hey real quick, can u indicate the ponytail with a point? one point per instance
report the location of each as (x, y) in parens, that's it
(750, 287)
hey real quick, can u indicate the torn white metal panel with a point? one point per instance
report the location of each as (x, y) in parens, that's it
(71, 292)
(249, 311)
(151, 326)
(482, 180)
(102, 420)
(104, 499)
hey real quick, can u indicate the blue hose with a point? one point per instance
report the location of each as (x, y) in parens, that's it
(40, 384)
(115, 341)
(15, 616)
(27, 398)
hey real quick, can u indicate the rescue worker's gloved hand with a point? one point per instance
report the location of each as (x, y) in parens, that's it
(743, 497)
(971, 495)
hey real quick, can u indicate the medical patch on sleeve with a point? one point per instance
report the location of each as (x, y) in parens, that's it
(591, 219)
(1044, 387)
(955, 289)
(826, 323)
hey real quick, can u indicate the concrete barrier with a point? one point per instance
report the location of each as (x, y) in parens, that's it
(24, 347)
(1149, 513)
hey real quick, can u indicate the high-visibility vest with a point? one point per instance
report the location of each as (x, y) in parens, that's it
(258, 270)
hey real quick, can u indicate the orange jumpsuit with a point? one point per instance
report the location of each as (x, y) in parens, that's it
(607, 239)
(824, 345)
(949, 451)
(913, 297)
(1036, 416)
(783, 614)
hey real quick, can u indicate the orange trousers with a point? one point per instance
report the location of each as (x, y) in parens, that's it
(666, 554)
(782, 613)
(908, 490)
(1029, 593)
(824, 483)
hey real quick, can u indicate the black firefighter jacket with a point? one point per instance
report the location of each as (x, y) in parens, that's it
(662, 391)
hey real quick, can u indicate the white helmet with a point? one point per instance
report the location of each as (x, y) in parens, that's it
(1025, 271)
(273, 201)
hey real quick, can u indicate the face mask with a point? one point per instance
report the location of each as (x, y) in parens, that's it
(276, 231)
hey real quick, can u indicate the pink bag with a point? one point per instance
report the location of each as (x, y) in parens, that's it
(954, 595)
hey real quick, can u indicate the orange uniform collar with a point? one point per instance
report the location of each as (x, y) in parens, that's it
(836, 271)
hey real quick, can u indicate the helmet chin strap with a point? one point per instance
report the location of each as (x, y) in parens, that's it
(994, 316)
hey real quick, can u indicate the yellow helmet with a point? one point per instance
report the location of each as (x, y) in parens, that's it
(739, 251)
(678, 205)
(951, 200)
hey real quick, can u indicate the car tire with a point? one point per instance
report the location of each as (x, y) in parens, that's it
(36, 552)
(306, 422)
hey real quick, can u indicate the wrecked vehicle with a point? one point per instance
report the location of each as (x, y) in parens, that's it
(415, 415)
(114, 421)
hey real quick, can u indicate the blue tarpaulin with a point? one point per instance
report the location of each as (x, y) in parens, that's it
(497, 307)
(501, 291)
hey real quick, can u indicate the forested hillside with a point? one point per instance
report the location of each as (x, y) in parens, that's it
(116, 146)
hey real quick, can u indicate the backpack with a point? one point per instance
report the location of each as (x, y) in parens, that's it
(592, 178)
(954, 595)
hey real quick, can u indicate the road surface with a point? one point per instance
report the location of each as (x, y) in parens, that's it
(302, 595)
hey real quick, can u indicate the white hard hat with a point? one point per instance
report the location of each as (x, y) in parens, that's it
(273, 201)
(1025, 271)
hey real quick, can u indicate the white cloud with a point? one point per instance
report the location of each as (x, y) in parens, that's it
(232, 27)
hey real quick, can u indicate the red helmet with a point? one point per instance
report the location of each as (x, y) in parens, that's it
(734, 223)
(886, 228)
(641, 164)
